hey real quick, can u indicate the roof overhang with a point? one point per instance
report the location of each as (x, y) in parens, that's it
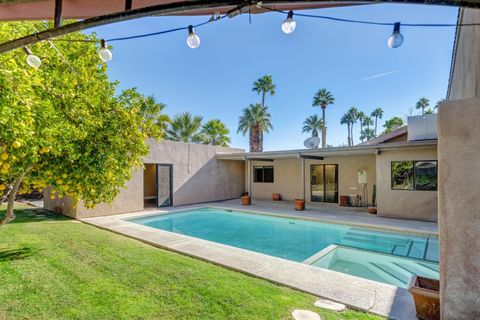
(320, 154)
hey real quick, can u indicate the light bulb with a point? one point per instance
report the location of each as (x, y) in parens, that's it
(104, 53)
(32, 60)
(396, 39)
(193, 41)
(288, 25)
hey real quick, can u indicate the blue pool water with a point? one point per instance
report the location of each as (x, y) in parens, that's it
(291, 239)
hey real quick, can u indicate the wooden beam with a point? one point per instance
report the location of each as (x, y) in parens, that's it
(58, 14)
(128, 5)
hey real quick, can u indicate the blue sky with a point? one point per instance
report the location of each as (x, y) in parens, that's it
(352, 61)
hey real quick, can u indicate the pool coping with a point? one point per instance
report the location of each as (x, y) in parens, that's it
(357, 293)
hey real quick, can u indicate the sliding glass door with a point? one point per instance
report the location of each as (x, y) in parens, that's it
(324, 183)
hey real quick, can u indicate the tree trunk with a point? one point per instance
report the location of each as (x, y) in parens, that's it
(250, 139)
(263, 100)
(324, 129)
(351, 134)
(10, 215)
(376, 118)
(256, 139)
(348, 135)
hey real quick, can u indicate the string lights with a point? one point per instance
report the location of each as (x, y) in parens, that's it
(193, 41)
(32, 60)
(104, 53)
(288, 26)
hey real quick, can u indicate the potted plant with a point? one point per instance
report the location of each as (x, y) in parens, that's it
(299, 204)
(276, 197)
(373, 208)
(426, 294)
(246, 199)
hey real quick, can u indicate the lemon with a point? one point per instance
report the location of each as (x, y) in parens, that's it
(4, 156)
(16, 144)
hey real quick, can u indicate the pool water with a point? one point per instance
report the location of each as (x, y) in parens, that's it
(292, 239)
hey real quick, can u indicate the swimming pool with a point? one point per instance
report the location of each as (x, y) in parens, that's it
(295, 239)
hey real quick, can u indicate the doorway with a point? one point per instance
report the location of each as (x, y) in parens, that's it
(324, 183)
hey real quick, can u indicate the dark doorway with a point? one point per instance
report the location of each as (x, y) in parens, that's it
(324, 183)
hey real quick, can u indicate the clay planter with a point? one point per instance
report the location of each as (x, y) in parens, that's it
(299, 204)
(426, 293)
(276, 197)
(246, 200)
(372, 210)
(345, 201)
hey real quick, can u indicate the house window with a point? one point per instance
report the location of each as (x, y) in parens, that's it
(263, 174)
(414, 175)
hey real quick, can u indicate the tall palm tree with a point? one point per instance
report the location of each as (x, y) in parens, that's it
(347, 119)
(367, 121)
(214, 132)
(185, 127)
(153, 117)
(361, 116)
(312, 124)
(263, 86)
(353, 115)
(255, 119)
(367, 134)
(422, 103)
(377, 114)
(322, 99)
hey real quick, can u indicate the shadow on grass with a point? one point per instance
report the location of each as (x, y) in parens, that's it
(16, 254)
(34, 215)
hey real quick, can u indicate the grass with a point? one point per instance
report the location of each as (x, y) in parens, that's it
(52, 267)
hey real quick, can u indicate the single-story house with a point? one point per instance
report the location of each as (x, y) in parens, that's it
(401, 165)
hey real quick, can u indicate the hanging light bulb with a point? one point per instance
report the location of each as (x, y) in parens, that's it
(193, 41)
(104, 53)
(396, 39)
(288, 25)
(32, 60)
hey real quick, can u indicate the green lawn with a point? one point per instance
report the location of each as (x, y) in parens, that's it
(52, 267)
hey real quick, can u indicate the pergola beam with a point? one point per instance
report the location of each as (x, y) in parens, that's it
(128, 5)
(58, 14)
(184, 8)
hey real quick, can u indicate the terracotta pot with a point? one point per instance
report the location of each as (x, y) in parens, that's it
(299, 204)
(246, 200)
(345, 201)
(276, 197)
(426, 294)
(372, 210)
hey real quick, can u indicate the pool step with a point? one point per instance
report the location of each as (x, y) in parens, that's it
(387, 244)
(403, 272)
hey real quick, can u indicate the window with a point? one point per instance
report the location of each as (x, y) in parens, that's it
(414, 175)
(263, 174)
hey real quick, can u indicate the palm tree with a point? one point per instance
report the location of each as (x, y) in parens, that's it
(360, 116)
(377, 114)
(367, 134)
(312, 124)
(255, 119)
(422, 103)
(429, 111)
(353, 115)
(263, 86)
(215, 133)
(322, 99)
(346, 119)
(185, 127)
(154, 120)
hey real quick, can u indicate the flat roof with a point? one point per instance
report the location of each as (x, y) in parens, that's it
(326, 152)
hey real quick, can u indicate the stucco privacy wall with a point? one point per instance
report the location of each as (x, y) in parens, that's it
(288, 176)
(409, 204)
(197, 177)
(459, 204)
(459, 201)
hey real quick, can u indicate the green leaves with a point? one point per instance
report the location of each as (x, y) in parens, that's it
(66, 122)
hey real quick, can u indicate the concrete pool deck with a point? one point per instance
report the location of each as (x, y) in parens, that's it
(357, 293)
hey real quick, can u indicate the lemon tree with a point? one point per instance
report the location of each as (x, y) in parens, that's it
(64, 124)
